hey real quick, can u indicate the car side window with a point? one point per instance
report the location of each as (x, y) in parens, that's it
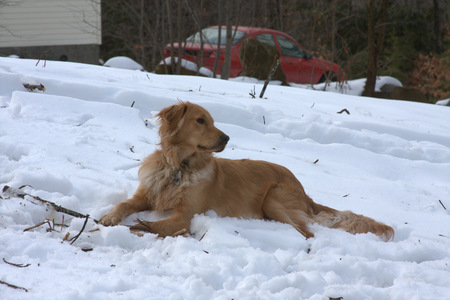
(211, 36)
(266, 38)
(288, 48)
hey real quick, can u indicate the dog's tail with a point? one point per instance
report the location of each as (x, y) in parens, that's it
(350, 222)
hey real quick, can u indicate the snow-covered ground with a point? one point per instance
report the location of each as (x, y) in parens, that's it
(80, 142)
(123, 62)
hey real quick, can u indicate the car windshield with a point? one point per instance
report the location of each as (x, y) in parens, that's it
(288, 48)
(211, 36)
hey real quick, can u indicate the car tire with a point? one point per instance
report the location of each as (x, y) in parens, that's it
(330, 76)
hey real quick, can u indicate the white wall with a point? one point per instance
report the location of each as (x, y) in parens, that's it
(50, 22)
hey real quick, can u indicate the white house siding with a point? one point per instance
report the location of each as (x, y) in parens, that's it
(25, 23)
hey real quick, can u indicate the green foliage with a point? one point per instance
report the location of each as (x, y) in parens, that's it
(408, 35)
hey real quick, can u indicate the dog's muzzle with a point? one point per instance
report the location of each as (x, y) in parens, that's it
(223, 140)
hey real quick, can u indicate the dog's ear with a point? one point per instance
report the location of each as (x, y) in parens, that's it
(172, 117)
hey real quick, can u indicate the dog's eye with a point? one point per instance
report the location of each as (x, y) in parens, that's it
(201, 121)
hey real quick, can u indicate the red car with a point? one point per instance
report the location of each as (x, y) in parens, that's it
(297, 65)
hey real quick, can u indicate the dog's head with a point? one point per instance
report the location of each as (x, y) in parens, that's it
(191, 127)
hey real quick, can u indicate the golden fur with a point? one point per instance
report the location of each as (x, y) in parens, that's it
(185, 178)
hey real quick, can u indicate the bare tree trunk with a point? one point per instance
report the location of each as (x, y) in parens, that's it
(180, 35)
(437, 27)
(155, 34)
(198, 23)
(279, 15)
(228, 19)
(171, 36)
(141, 33)
(253, 13)
(371, 67)
(219, 40)
(374, 48)
(382, 25)
(333, 30)
(200, 27)
(312, 29)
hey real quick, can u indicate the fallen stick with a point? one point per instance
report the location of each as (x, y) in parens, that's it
(203, 235)
(344, 110)
(18, 193)
(36, 226)
(81, 231)
(13, 286)
(32, 87)
(16, 265)
(277, 63)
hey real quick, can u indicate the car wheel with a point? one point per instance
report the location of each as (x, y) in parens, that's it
(328, 76)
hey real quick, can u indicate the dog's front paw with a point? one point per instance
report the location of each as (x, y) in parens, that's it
(109, 220)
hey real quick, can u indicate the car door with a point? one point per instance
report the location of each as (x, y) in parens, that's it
(267, 38)
(294, 62)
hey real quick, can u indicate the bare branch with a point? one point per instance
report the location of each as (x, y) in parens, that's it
(16, 265)
(13, 286)
(81, 231)
(275, 67)
(17, 193)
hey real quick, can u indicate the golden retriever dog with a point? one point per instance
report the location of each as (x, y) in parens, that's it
(184, 177)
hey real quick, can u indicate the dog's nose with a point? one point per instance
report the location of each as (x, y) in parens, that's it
(224, 138)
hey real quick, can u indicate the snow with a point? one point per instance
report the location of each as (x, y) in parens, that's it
(79, 144)
(444, 102)
(191, 66)
(123, 62)
(356, 87)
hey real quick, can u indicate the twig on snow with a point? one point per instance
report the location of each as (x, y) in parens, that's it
(32, 87)
(203, 235)
(275, 67)
(344, 110)
(13, 286)
(66, 237)
(37, 225)
(51, 225)
(17, 193)
(81, 231)
(253, 93)
(16, 265)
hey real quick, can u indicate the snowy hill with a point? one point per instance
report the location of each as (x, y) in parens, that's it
(79, 144)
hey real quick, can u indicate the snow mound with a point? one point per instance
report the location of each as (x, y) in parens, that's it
(123, 62)
(189, 65)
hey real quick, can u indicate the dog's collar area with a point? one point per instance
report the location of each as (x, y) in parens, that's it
(178, 172)
(176, 177)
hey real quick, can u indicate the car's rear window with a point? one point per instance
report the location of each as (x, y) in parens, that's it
(211, 36)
